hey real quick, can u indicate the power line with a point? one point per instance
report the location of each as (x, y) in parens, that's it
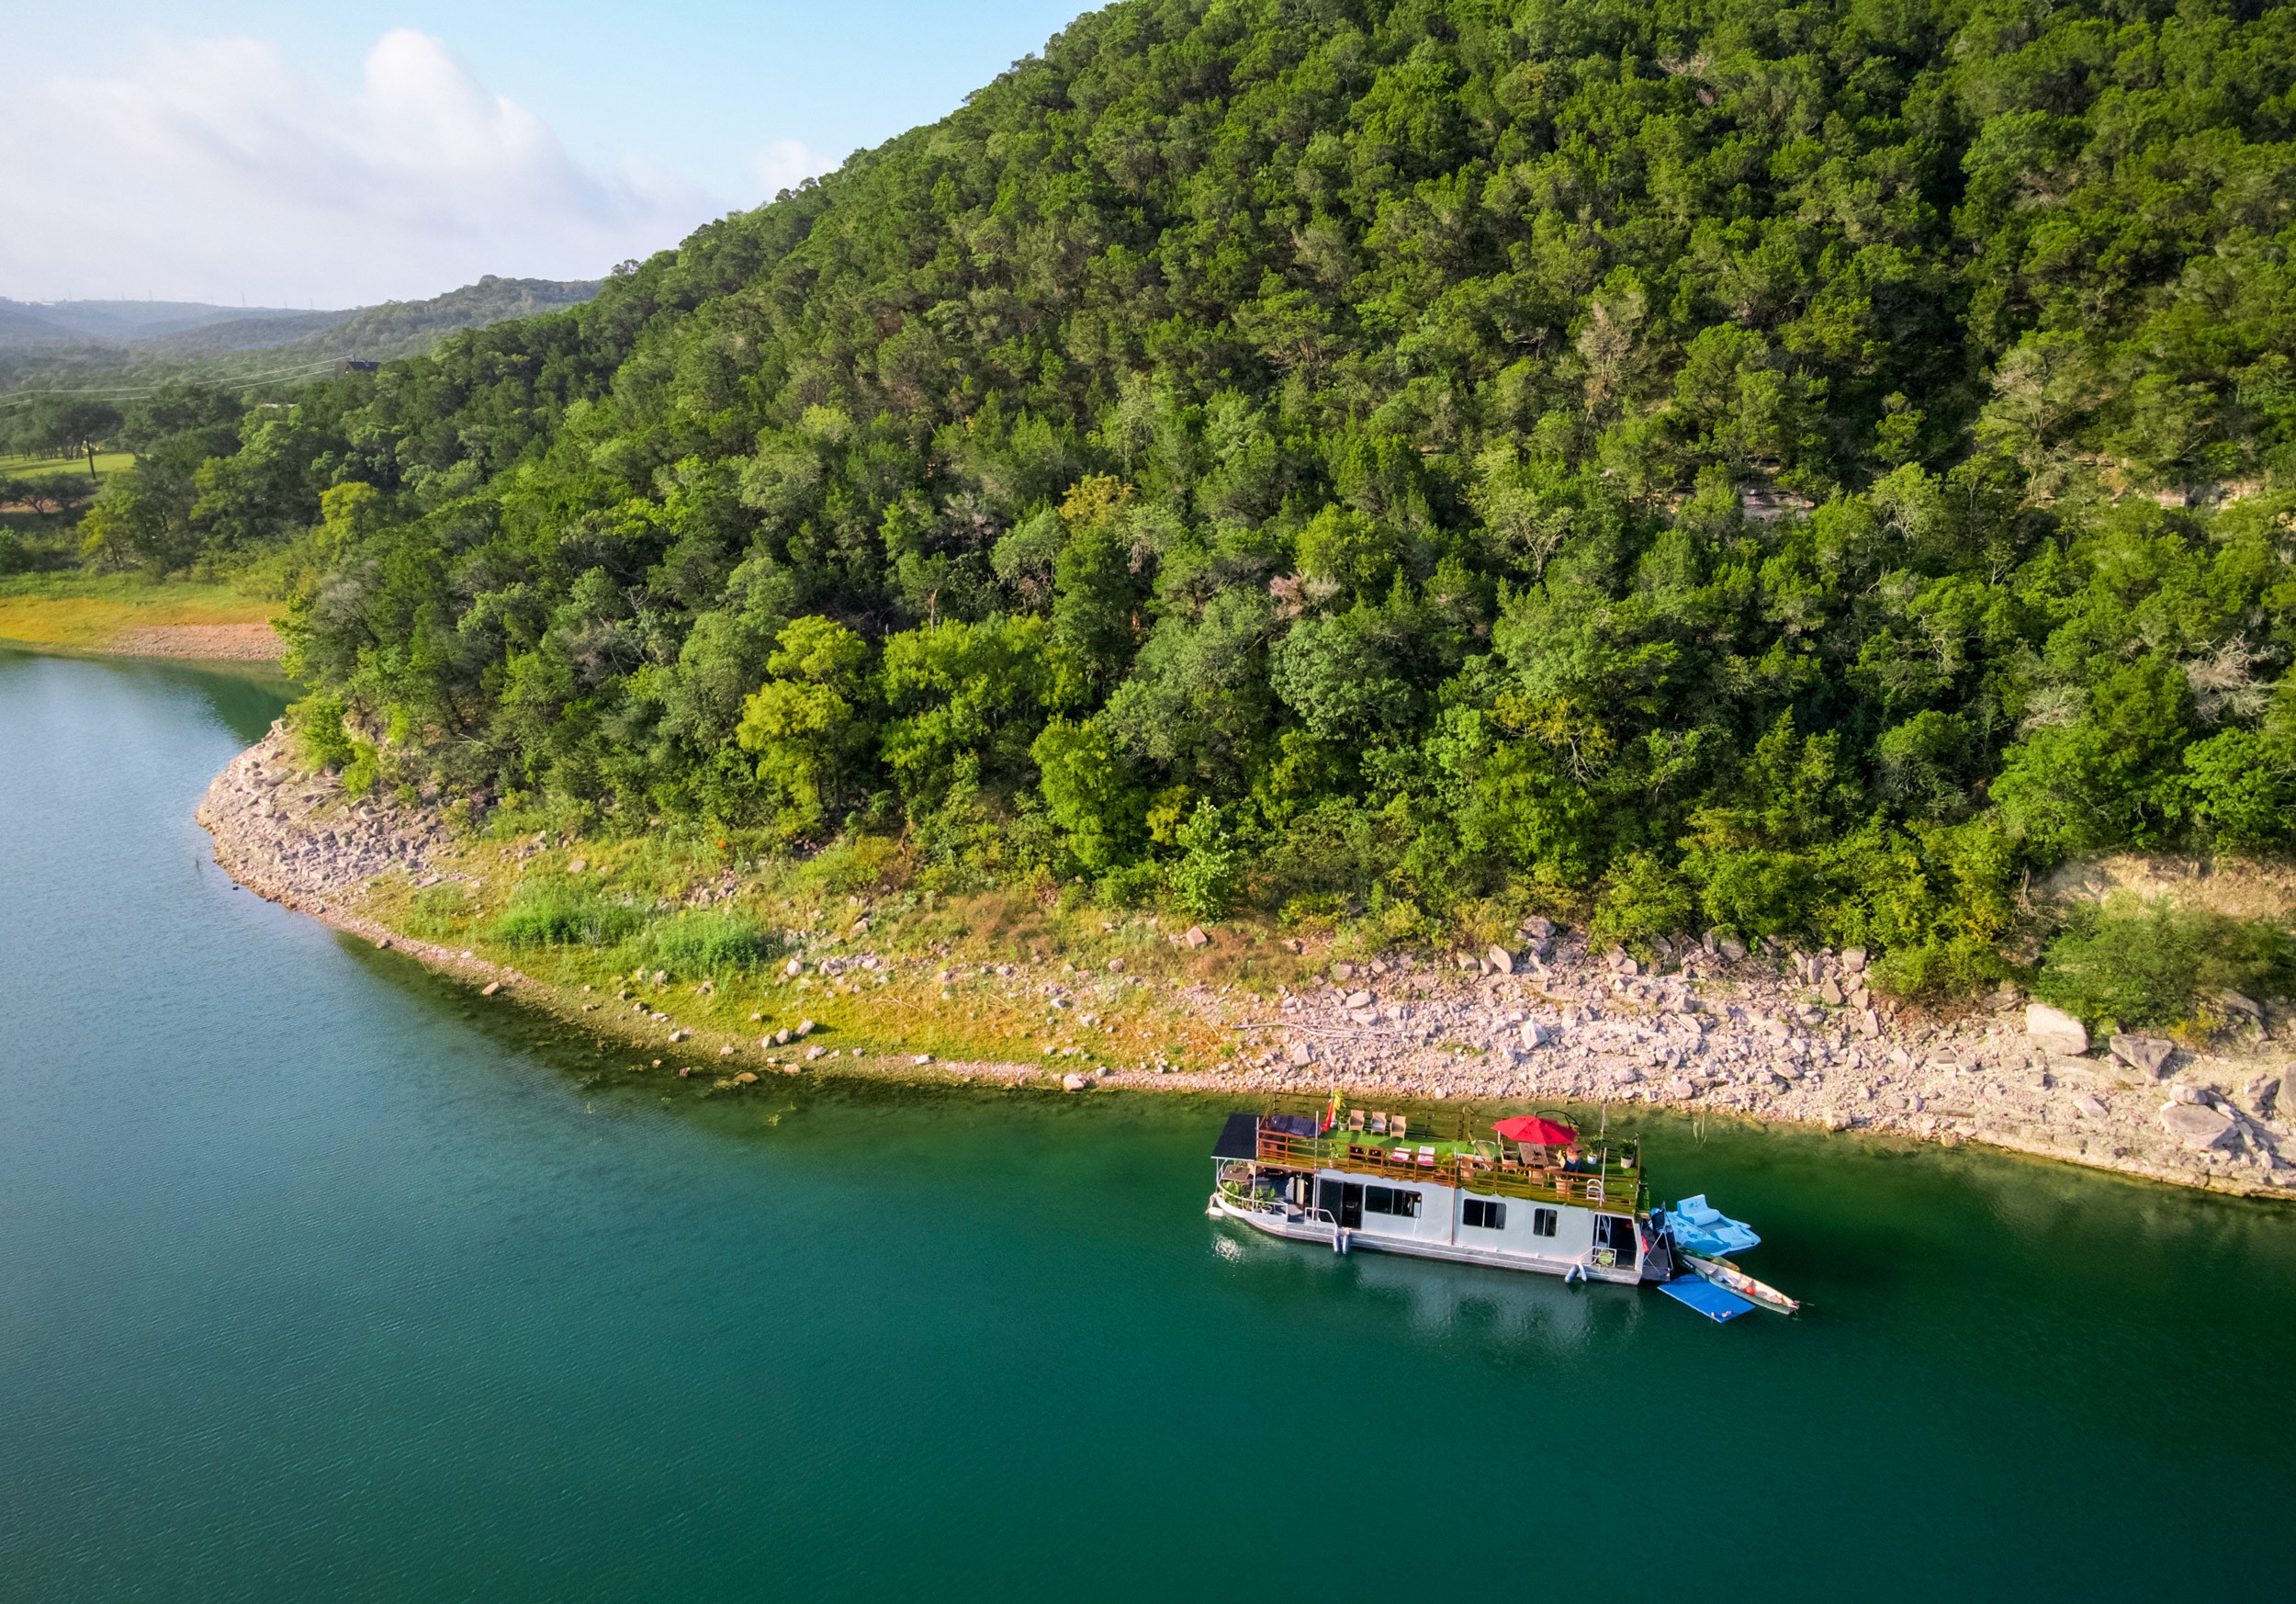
(138, 392)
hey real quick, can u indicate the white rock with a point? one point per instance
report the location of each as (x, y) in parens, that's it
(1535, 1035)
(1501, 960)
(2147, 1055)
(2055, 1031)
(1075, 1080)
(2089, 1106)
(1854, 959)
(1196, 936)
(1359, 1000)
(1303, 1052)
(2196, 1125)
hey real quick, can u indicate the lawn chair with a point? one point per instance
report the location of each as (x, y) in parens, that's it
(1354, 1119)
(1379, 1122)
(1400, 1126)
(1426, 1157)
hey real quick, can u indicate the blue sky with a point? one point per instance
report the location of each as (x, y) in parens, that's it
(340, 153)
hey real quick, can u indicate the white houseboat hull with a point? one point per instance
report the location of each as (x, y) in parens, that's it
(1567, 1247)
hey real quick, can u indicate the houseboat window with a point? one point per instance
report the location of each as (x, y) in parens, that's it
(1616, 1233)
(1390, 1200)
(1488, 1217)
(1543, 1221)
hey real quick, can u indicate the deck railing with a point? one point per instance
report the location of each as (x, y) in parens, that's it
(1615, 1182)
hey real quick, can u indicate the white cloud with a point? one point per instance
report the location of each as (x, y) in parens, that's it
(783, 163)
(217, 167)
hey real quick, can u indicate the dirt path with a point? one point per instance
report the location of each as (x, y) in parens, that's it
(209, 642)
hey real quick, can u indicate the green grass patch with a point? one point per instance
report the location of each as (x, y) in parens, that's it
(711, 943)
(88, 612)
(554, 914)
(23, 466)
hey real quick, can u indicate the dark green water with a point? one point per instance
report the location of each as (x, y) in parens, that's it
(314, 1282)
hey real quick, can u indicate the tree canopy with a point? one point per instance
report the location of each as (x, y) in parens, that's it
(1791, 468)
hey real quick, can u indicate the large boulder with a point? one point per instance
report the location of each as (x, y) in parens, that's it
(1500, 959)
(2148, 1056)
(2055, 1031)
(2196, 1124)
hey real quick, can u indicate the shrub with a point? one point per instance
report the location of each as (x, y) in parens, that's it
(707, 943)
(1942, 966)
(553, 913)
(858, 863)
(316, 721)
(2133, 962)
(1204, 880)
(1642, 898)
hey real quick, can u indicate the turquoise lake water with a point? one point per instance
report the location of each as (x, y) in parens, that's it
(318, 1281)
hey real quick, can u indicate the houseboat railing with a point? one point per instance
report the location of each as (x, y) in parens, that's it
(1615, 1182)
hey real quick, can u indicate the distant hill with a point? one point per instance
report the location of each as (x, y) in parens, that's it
(126, 323)
(93, 344)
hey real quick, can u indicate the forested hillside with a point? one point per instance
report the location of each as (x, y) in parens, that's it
(1794, 468)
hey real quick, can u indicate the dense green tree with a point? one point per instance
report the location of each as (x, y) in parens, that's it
(1789, 468)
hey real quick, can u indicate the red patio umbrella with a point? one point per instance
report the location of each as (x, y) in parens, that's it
(1542, 1133)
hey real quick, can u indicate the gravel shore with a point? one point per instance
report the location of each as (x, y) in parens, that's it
(1778, 1037)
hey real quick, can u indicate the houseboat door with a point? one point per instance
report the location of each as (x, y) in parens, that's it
(1343, 1199)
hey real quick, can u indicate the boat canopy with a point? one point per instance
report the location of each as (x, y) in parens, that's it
(1707, 1231)
(1239, 1138)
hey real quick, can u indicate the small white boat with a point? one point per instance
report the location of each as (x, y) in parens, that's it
(1729, 1277)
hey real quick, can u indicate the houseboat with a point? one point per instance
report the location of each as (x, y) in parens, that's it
(1528, 1196)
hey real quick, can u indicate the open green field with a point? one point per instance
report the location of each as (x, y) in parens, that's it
(24, 467)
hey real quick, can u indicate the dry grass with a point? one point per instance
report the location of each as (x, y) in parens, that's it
(2235, 887)
(91, 614)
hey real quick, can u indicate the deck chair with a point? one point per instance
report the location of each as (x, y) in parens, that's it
(1400, 1126)
(1426, 1156)
(1379, 1122)
(1354, 1119)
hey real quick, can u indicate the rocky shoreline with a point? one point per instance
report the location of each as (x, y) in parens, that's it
(1776, 1036)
